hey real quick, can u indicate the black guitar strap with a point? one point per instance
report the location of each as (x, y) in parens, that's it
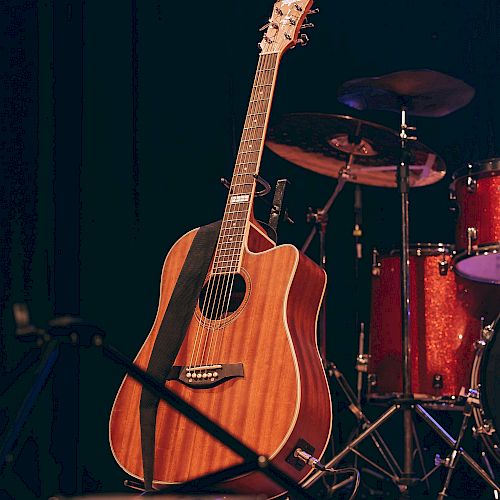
(171, 334)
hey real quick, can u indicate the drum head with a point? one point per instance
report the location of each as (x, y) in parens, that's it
(484, 267)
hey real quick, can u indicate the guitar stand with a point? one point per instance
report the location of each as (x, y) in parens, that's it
(252, 460)
(63, 330)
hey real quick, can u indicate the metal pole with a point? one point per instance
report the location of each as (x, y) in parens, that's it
(403, 185)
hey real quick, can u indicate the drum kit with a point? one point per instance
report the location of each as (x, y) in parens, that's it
(447, 357)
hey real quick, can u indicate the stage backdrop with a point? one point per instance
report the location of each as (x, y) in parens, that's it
(117, 121)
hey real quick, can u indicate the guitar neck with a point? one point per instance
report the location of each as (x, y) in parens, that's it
(235, 223)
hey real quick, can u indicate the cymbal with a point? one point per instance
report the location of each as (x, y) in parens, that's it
(421, 92)
(366, 153)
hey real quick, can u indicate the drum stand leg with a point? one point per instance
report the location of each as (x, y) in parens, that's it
(457, 451)
(364, 424)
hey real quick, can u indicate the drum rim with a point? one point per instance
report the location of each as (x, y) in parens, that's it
(481, 414)
(462, 255)
(424, 249)
(476, 168)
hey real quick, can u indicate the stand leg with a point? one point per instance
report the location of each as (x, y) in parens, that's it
(337, 458)
(47, 361)
(452, 443)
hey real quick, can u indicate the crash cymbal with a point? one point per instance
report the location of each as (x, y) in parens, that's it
(421, 92)
(365, 152)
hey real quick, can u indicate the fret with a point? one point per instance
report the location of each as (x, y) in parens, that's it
(239, 203)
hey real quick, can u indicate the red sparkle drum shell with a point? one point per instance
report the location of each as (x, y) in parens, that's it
(477, 192)
(442, 326)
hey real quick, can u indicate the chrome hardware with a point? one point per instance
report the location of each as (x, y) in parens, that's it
(437, 381)
(307, 25)
(471, 183)
(288, 36)
(292, 21)
(471, 236)
(443, 267)
(302, 40)
(479, 345)
(362, 362)
(487, 428)
(376, 265)
(372, 379)
(298, 7)
(487, 332)
(278, 11)
(313, 11)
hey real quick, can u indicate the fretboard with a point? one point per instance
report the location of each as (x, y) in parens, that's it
(235, 223)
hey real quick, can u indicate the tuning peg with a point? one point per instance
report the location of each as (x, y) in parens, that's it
(313, 11)
(302, 40)
(308, 25)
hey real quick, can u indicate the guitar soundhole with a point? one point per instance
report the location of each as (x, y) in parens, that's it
(222, 295)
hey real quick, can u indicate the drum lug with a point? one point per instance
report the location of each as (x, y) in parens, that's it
(471, 236)
(375, 263)
(437, 381)
(443, 267)
(452, 196)
(372, 380)
(471, 182)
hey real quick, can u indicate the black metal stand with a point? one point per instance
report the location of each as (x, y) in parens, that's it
(405, 477)
(320, 219)
(404, 187)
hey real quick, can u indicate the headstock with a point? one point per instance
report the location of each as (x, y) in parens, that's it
(285, 23)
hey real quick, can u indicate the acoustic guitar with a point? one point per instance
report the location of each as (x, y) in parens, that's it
(249, 359)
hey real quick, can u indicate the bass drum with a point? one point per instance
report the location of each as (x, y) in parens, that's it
(485, 377)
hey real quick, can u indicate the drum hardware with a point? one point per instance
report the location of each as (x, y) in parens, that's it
(381, 157)
(360, 151)
(375, 262)
(471, 185)
(437, 381)
(472, 401)
(476, 189)
(484, 377)
(471, 236)
(320, 219)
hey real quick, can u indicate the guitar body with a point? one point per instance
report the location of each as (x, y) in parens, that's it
(282, 396)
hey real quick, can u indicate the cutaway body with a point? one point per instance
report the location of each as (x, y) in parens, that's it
(281, 398)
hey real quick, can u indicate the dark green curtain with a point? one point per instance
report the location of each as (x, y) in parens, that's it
(158, 112)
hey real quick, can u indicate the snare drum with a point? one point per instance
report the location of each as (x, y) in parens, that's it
(477, 192)
(485, 377)
(442, 329)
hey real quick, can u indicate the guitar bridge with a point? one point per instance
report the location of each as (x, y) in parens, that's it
(205, 376)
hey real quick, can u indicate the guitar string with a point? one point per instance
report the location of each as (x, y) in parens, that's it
(241, 179)
(262, 108)
(212, 292)
(235, 252)
(227, 278)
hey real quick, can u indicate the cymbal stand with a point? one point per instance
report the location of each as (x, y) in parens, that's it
(407, 404)
(403, 187)
(320, 219)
